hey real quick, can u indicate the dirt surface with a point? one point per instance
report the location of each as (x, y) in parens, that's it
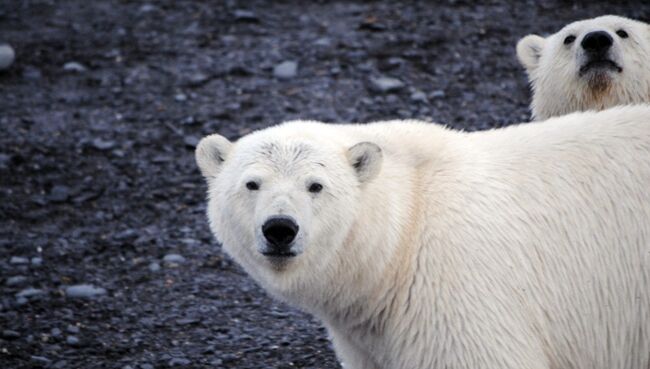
(98, 184)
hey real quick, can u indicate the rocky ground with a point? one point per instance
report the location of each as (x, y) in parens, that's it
(105, 256)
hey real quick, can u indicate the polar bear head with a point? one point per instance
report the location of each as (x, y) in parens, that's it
(283, 200)
(588, 65)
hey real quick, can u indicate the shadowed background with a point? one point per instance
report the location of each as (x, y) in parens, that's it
(99, 115)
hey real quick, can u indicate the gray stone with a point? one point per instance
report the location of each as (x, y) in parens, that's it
(103, 145)
(7, 56)
(32, 73)
(18, 260)
(10, 335)
(37, 261)
(179, 361)
(154, 267)
(180, 97)
(59, 193)
(84, 291)
(146, 366)
(419, 96)
(72, 329)
(285, 70)
(72, 340)
(55, 332)
(73, 66)
(174, 259)
(29, 292)
(386, 84)
(437, 94)
(16, 280)
(40, 359)
(245, 15)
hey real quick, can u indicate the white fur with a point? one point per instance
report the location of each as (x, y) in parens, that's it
(553, 68)
(526, 247)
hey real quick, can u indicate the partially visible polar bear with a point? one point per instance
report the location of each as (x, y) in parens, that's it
(588, 65)
(420, 247)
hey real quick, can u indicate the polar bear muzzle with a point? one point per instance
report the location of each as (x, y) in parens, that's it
(279, 232)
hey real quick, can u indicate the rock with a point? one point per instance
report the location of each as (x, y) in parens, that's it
(286, 70)
(10, 335)
(147, 8)
(419, 96)
(386, 84)
(180, 97)
(179, 361)
(41, 360)
(16, 280)
(154, 267)
(437, 94)
(103, 145)
(146, 366)
(323, 41)
(72, 340)
(174, 259)
(191, 141)
(72, 329)
(84, 291)
(37, 261)
(18, 260)
(30, 292)
(7, 56)
(59, 194)
(55, 332)
(73, 66)
(243, 15)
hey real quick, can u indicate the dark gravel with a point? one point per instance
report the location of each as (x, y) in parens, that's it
(98, 187)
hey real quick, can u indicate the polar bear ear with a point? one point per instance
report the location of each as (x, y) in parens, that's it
(366, 159)
(529, 50)
(211, 152)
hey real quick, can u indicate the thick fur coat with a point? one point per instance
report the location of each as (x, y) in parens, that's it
(526, 247)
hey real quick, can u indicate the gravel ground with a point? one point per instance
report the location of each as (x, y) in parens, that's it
(106, 260)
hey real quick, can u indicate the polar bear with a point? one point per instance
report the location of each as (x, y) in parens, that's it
(588, 65)
(420, 247)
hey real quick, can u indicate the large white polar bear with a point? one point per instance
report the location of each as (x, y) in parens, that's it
(588, 65)
(419, 247)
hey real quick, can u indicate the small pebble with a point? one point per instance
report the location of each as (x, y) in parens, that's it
(386, 84)
(437, 94)
(16, 280)
(245, 15)
(419, 96)
(174, 259)
(40, 359)
(55, 332)
(74, 67)
(72, 329)
(84, 291)
(286, 70)
(103, 145)
(10, 335)
(18, 260)
(180, 97)
(59, 193)
(72, 340)
(154, 267)
(29, 292)
(7, 56)
(179, 361)
(36, 261)
(146, 366)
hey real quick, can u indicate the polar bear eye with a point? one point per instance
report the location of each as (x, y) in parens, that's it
(622, 34)
(315, 187)
(252, 185)
(569, 39)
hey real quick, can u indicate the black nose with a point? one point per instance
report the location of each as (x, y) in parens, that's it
(597, 42)
(280, 231)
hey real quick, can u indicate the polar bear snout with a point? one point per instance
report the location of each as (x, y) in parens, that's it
(597, 42)
(279, 232)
